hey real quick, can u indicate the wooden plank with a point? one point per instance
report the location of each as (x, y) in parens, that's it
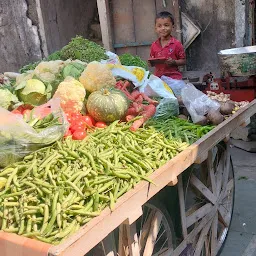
(182, 207)
(199, 214)
(105, 24)
(123, 24)
(214, 236)
(144, 29)
(203, 189)
(152, 236)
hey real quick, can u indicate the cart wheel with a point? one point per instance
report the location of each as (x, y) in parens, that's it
(209, 201)
(154, 232)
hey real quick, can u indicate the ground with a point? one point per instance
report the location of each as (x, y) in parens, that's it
(241, 240)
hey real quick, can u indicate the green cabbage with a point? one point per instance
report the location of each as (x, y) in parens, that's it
(32, 92)
(73, 69)
(7, 98)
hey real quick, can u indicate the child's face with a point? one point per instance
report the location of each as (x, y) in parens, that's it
(163, 27)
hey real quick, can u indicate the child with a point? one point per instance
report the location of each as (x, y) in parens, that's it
(167, 46)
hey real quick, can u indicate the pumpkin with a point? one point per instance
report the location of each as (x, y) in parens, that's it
(107, 105)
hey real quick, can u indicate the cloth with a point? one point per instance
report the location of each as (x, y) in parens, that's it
(174, 50)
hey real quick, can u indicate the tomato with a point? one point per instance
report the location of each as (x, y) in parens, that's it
(16, 111)
(79, 135)
(80, 123)
(67, 133)
(88, 120)
(101, 124)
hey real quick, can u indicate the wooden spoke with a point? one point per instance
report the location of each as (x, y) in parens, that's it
(199, 214)
(223, 216)
(219, 173)
(202, 238)
(203, 189)
(214, 235)
(152, 236)
(145, 229)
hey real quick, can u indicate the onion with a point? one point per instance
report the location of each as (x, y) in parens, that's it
(215, 117)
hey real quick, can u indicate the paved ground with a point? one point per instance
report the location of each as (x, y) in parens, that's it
(241, 240)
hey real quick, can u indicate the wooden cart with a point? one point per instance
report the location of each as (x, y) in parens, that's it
(140, 224)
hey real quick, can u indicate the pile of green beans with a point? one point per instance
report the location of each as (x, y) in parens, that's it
(55, 190)
(180, 129)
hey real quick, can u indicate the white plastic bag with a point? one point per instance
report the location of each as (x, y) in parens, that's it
(137, 75)
(113, 59)
(168, 105)
(197, 103)
(18, 138)
(174, 84)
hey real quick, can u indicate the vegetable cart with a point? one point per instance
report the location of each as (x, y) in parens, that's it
(140, 224)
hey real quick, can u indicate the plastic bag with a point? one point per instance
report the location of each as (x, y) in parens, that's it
(113, 59)
(197, 103)
(168, 104)
(174, 84)
(18, 139)
(137, 75)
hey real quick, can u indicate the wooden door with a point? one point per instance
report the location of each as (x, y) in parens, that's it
(129, 25)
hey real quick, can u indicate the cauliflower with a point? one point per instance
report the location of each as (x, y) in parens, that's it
(71, 93)
(7, 98)
(24, 77)
(97, 76)
(47, 71)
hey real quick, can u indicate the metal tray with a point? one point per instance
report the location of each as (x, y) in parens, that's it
(238, 61)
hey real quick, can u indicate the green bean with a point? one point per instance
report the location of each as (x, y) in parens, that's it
(67, 230)
(9, 180)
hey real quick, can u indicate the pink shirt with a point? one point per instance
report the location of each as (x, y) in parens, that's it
(174, 50)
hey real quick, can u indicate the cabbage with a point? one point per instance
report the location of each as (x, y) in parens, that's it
(73, 69)
(7, 98)
(32, 92)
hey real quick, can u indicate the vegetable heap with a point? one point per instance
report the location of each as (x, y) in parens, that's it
(128, 59)
(55, 190)
(78, 48)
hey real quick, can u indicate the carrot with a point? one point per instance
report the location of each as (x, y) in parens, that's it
(132, 111)
(129, 118)
(148, 112)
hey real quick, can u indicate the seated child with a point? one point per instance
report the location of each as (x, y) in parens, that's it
(167, 46)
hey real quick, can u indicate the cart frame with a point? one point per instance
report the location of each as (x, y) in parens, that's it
(129, 207)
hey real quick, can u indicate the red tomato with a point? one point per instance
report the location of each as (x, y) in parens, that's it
(101, 124)
(79, 123)
(79, 135)
(16, 111)
(26, 112)
(88, 120)
(67, 133)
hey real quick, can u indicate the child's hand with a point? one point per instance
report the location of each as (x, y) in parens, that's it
(171, 62)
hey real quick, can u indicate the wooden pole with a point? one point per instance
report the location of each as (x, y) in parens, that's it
(104, 15)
